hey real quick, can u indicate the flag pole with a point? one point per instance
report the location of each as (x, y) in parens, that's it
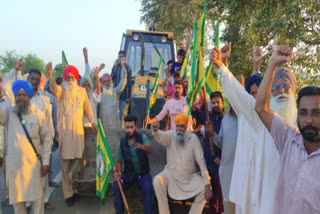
(122, 193)
(207, 117)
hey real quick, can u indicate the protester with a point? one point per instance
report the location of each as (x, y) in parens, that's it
(4, 102)
(40, 100)
(257, 163)
(179, 179)
(116, 78)
(59, 81)
(298, 183)
(170, 86)
(110, 99)
(226, 140)
(167, 70)
(133, 150)
(213, 160)
(26, 165)
(176, 66)
(94, 95)
(73, 104)
(173, 107)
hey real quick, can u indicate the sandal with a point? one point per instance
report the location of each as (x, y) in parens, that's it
(49, 205)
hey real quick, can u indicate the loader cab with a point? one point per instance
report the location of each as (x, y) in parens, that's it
(155, 44)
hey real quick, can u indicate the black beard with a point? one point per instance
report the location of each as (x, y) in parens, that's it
(311, 137)
(217, 112)
(131, 136)
(177, 94)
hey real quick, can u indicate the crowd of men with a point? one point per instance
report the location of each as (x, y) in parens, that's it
(264, 158)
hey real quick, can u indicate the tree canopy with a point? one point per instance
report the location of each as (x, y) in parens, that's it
(267, 24)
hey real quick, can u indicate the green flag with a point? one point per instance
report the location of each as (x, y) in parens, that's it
(104, 163)
(64, 60)
(186, 59)
(212, 83)
(154, 88)
(217, 39)
(197, 75)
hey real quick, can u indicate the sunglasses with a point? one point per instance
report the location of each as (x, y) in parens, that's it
(278, 87)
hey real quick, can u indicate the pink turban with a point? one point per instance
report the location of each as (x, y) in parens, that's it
(70, 69)
(106, 76)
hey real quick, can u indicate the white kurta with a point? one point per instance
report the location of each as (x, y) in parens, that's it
(70, 120)
(93, 100)
(256, 165)
(23, 170)
(39, 99)
(109, 106)
(183, 181)
(228, 140)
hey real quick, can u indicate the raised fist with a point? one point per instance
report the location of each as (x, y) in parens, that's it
(216, 58)
(225, 53)
(257, 54)
(102, 65)
(85, 52)
(281, 55)
(19, 65)
(49, 69)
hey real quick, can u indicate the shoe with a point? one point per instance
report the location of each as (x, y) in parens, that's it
(70, 201)
(76, 197)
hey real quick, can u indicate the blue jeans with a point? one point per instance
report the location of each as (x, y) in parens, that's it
(145, 184)
(122, 104)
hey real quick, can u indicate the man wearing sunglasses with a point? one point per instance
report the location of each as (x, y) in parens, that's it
(298, 188)
(257, 161)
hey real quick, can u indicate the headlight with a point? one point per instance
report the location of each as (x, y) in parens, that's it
(163, 39)
(136, 37)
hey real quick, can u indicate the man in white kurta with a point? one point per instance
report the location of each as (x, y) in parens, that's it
(179, 178)
(24, 173)
(94, 93)
(73, 104)
(256, 164)
(109, 107)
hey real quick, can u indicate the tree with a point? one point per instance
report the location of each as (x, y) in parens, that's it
(267, 24)
(8, 61)
(32, 61)
(58, 70)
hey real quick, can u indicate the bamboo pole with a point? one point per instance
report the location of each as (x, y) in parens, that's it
(122, 193)
(207, 118)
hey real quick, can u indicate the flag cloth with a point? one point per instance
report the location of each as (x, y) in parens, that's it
(104, 163)
(154, 88)
(212, 83)
(64, 60)
(197, 75)
(186, 59)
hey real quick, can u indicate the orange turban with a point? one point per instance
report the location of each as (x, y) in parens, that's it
(70, 69)
(181, 118)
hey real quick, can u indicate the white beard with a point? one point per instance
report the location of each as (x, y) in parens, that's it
(285, 106)
(108, 90)
(70, 90)
(179, 136)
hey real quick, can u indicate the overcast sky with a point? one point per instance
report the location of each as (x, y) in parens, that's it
(45, 28)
